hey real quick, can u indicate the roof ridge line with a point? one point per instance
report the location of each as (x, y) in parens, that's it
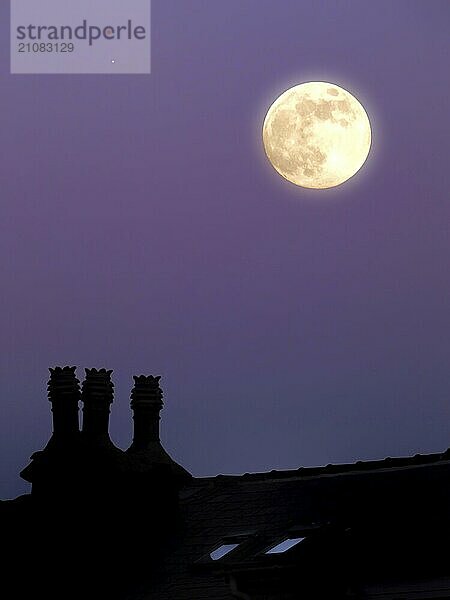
(389, 462)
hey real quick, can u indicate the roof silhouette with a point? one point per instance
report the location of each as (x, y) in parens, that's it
(145, 528)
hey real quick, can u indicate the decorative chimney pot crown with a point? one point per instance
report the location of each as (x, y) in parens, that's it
(146, 391)
(97, 388)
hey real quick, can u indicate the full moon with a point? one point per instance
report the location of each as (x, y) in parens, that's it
(316, 135)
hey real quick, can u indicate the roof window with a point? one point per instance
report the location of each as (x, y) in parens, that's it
(284, 546)
(222, 551)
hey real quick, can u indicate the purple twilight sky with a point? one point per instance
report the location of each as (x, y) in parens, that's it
(143, 230)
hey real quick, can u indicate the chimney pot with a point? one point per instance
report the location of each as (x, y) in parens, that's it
(64, 394)
(97, 395)
(146, 403)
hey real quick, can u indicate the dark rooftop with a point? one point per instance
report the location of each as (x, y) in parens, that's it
(146, 529)
(260, 509)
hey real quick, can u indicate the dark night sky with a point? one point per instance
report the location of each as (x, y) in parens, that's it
(142, 230)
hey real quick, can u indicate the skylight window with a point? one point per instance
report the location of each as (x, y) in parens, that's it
(285, 545)
(222, 551)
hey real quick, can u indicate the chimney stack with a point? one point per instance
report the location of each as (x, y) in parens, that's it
(64, 395)
(146, 403)
(97, 396)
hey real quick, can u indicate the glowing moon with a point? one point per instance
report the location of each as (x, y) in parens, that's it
(317, 135)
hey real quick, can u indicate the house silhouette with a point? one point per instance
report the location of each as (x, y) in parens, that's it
(101, 522)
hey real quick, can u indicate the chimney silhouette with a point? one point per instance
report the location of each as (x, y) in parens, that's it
(146, 403)
(97, 396)
(64, 395)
